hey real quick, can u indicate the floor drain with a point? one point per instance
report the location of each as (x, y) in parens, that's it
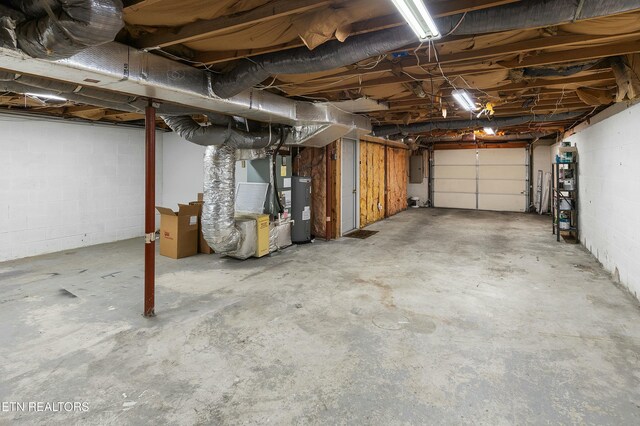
(390, 321)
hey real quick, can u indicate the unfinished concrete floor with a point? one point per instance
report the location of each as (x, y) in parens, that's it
(443, 317)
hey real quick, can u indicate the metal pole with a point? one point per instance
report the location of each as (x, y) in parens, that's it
(149, 211)
(329, 195)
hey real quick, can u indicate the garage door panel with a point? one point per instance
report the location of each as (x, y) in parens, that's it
(455, 157)
(455, 185)
(502, 202)
(503, 172)
(488, 186)
(503, 156)
(454, 172)
(486, 179)
(454, 200)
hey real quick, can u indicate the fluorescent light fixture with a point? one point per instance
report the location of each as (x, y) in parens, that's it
(489, 131)
(49, 97)
(464, 100)
(418, 18)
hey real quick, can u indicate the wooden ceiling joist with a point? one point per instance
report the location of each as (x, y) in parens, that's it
(448, 8)
(606, 75)
(574, 55)
(585, 53)
(212, 27)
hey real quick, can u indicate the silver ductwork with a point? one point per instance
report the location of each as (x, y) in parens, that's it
(56, 29)
(226, 145)
(180, 89)
(336, 54)
(218, 212)
(500, 122)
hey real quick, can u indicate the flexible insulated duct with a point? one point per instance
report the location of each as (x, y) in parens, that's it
(57, 29)
(218, 212)
(225, 145)
(334, 54)
(389, 130)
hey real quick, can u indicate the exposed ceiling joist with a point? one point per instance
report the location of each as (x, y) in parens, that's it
(512, 48)
(580, 54)
(448, 8)
(596, 76)
(213, 27)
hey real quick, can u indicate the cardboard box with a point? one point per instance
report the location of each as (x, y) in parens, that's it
(179, 231)
(203, 246)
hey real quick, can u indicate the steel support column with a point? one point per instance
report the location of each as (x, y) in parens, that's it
(149, 211)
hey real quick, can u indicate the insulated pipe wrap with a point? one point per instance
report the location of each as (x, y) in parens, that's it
(383, 131)
(58, 29)
(192, 131)
(334, 54)
(225, 145)
(330, 55)
(218, 212)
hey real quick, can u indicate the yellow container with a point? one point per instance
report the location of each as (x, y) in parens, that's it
(262, 246)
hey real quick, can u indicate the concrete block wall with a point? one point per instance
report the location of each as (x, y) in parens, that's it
(183, 170)
(65, 185)
(609, 192)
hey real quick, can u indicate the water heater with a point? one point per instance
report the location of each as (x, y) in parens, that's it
(301, 209)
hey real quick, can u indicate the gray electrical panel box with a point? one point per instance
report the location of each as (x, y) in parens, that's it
(301, 209)
(260, 171)
(416, 169)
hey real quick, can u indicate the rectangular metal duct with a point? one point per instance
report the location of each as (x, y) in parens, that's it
(120, 68)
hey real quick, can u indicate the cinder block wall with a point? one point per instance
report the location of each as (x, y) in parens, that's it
(183, 170)
(609, 192)
(65, 185)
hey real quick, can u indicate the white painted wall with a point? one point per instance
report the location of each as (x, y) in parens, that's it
(609, 192)
(420, 190)
(65, 184)
(183, 171)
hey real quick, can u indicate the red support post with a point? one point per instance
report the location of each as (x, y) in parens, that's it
(329, 195)
(150, 211)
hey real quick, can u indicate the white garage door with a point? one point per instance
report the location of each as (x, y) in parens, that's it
(484, 179)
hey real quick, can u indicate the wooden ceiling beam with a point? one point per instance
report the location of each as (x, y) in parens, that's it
(452, 7)
(123, 116)
(224, 24)
(511, 106)
(512, 48)
(574, 55)
(535, 83)
(133, 5)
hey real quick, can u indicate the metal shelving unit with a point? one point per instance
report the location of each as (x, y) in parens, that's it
(565, 201)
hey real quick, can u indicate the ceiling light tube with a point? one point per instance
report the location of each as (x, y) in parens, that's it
(418, 18)
(489, 131)
(43, 96)
(464, 100)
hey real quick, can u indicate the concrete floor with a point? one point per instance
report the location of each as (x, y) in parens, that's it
(443, 317)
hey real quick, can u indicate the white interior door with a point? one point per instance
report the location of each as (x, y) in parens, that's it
(349, 185)
(483, 179)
